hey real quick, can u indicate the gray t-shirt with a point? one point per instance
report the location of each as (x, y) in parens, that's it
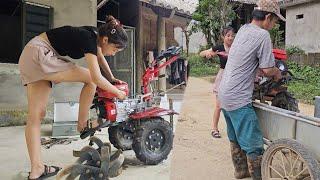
(251, 48)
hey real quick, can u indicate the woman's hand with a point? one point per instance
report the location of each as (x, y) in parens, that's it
(121, 95)
(208, 53)
(118, 81)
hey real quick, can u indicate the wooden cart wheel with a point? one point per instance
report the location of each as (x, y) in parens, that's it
(287, 159)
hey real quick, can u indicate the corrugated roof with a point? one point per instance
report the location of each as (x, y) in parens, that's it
(182, 6)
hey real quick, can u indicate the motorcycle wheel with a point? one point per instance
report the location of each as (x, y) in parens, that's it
(285, 100)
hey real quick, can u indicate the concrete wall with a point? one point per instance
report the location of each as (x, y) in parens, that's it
(304, 32)
(71, 12)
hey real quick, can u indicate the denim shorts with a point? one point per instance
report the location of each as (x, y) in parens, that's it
(243, 128)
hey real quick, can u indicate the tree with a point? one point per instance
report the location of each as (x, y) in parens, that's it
(277, 36)
(212, 16)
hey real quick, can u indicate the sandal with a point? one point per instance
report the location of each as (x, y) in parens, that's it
(47, 172)
(215, 134)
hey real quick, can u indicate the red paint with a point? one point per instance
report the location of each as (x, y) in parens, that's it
(106, 94)
(111, 111)
(152, 72)
(280, 54)
(152, 112)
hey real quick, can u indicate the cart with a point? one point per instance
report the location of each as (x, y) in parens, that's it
(293, 144)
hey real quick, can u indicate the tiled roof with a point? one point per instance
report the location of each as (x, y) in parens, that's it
(182, 6)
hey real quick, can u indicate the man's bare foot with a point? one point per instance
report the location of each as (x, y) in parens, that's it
(84, 124)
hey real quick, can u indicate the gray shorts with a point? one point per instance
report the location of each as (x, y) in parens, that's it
(39, 59)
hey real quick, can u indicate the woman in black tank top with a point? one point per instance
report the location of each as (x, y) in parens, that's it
(41, 65)
(222, 52)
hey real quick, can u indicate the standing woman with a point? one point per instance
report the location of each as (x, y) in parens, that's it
(222, 51)
(41, 66)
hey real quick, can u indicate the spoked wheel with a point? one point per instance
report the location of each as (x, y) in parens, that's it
(285, 100)
(153, 140)
(286, 159)
(121, 136)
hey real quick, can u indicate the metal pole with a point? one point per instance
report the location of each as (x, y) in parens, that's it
(317, 107)
(171, 115)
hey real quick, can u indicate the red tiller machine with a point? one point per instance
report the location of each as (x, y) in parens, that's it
(135, 123)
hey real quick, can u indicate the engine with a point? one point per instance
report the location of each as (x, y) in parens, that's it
(113, 110)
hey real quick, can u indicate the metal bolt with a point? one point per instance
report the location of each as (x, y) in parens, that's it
(151, 146)
(152, 131)
(161, 137)
(149, 137)
(87, 171)
(147, 142)
(159, 143)
(157, 134)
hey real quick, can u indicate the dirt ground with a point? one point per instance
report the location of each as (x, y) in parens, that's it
(196, 155)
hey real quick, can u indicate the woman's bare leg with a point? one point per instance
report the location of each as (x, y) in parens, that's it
(216, 115)
(37, 94)
(79, 74)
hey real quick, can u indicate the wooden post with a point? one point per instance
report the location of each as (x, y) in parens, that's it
(161, 40)
(139, 49)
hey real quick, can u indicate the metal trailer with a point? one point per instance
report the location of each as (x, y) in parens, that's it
(293, 144)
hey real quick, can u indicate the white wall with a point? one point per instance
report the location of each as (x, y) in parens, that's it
(196, 40)
(66, 12)
(304, 32)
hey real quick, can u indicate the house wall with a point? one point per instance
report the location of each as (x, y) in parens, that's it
(71, 12)
(304, 32)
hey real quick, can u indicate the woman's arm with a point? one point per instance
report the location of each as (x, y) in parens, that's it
(98, 79)
(209, 53)
(104, 65)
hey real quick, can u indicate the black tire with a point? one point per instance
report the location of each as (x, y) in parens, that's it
(153, 141)
(286, 101)
(284, 145)
(121, 136)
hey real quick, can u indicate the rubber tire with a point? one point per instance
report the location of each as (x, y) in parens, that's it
(287, 99)
(141, 134)
(308, 156)
(116, 140)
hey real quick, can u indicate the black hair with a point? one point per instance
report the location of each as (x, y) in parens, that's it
(227, 29)
(261, 15)
(114, 31)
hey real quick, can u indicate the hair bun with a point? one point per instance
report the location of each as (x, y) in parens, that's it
(110, 19)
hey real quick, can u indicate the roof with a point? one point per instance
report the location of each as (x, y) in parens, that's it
(283, 3)
(288, 3)
(246, 1)
(182, 6)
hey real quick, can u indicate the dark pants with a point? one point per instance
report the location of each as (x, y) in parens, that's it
(243, 128)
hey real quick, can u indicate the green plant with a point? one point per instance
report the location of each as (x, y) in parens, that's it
(294, 50)
(277, 36)
(212, 16)
(305, 90)
(200, 67)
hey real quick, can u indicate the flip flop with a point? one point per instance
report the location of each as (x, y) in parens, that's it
(215, 134)
(47, 172)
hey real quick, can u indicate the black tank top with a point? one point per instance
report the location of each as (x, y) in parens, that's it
(74, 41)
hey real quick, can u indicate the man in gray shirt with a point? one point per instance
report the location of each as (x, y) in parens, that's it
(250, 51)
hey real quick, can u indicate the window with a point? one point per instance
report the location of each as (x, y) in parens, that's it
(299, 16)
(20, 22)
